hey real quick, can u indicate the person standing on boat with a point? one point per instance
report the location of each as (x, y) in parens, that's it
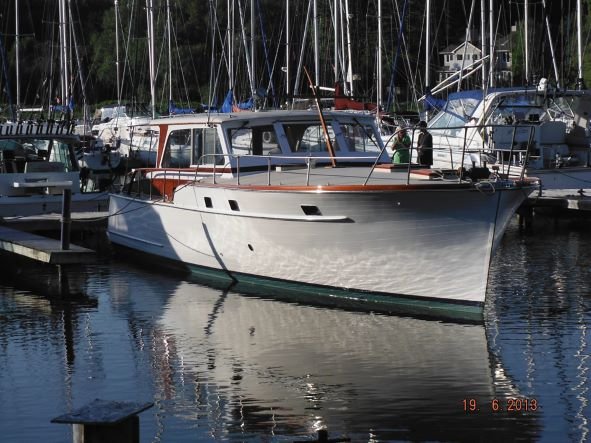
(401, 147)
(424, 145)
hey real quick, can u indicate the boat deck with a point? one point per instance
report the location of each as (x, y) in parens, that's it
(385, 174)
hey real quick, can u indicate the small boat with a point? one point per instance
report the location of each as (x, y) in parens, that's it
(309, 203)
(37, 163)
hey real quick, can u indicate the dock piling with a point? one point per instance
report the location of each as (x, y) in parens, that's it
(103, 421)
(66, 221)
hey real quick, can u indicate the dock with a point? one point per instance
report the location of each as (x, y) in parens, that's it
(43, 249)
(557, 200)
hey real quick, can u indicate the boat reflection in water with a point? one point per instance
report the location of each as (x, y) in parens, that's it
(223, 366)
(261, 366)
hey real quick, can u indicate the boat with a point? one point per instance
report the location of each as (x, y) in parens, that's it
(93, 154)
(532, 131)
(37, 163)
(115, 126)
(309, 203)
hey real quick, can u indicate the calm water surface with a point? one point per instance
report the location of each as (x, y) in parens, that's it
(224, 366)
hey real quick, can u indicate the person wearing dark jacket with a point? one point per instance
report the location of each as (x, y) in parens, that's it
(424, 145)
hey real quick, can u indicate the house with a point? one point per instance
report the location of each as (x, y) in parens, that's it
(456, 57)
(466, 54)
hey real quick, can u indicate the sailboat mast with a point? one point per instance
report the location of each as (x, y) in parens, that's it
(287, 49)
(17, 52)
(169, 52)
(579, 46)
(427, 44)
(117, 53)
(335, 25)
(551, 42)
(491, 40)
(484, 69)
(316, 50)
(150, 17)
(252, 45)
(64, 63)
(380, 54)
(230, 17)
(349, 64)
(526, 6)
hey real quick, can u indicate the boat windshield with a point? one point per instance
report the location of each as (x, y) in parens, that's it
(16, 153)
(458, 111)
(517, 108)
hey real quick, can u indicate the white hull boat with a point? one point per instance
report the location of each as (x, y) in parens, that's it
(358, 234)
(37, 163)
(533, 132)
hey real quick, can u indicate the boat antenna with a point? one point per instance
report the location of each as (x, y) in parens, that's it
(322, 121)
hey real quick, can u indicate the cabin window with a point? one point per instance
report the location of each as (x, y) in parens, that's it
(306, 137)
(207, 149)
(208, 203)
(177, 152)
(359, 138)
(258, 140)
(62, 153)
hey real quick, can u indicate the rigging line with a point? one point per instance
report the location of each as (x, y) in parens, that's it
(180, 68)
(265, 49)
(400, 33)
(270, 84)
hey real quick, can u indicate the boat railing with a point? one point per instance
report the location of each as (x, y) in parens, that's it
(513, 147)
(49, 127)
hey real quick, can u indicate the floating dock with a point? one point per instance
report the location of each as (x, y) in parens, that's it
(557, 200)
(43, 249)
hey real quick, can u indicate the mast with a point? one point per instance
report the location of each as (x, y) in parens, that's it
(580, 81)
(380, 55)
(169, 52)
(17, 52)
(526, 42)
(316, 59)
(117, 53)
(150, 18)
(252, 45)
(335, 23)
(551, 42)
(287, 48)
(484, 70)
(349, 64)
(79, 65)
(64, 63)
(230, 16)
(491, 51)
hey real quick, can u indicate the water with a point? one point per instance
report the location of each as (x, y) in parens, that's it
(224, 366)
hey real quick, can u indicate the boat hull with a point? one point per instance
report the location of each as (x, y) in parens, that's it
(420, 251)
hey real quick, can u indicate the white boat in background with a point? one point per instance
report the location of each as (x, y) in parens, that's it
(293, 202)
(116, 126)
(95, 156)
(535, 131)
(37, 162)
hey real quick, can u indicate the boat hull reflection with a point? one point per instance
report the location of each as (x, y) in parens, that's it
(272, 367)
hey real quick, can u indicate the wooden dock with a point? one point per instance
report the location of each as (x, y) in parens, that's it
(42, 249)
